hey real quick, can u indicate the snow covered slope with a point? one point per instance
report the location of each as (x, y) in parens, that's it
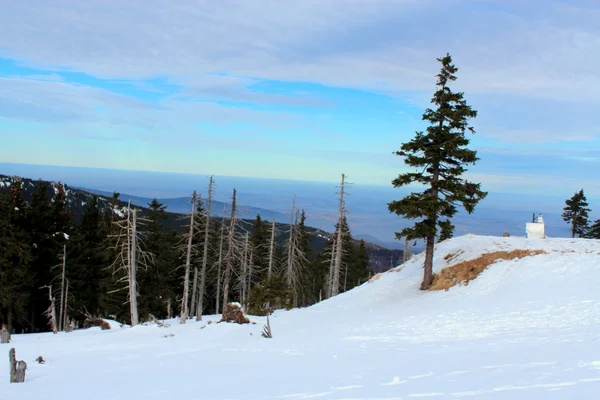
(524, 329)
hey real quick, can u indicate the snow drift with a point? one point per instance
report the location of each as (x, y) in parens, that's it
(526, 328)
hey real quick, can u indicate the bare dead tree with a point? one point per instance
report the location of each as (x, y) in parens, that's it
(271, 249)
(65, 317)
(244, 272)
(296, 259)
(289, 272)
(250, 271)
(188, 259)
(61, 326)
(200, 307)
(220, 265)
(50, 313)
(335, 281)
(230, 251)
(192, 309)
(130, 256)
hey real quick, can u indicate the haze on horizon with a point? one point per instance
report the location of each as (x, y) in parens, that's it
(302, 89)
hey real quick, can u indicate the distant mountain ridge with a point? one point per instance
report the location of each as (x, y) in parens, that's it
(181, 205)
(381, 258)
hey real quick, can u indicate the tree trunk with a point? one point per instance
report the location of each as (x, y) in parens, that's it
(193, 301)
(64, 312)
(428, 266)
(188, 260)
(51, 311)
(291, 250)
(200, 307)
(244, 276)
(62, 289)
(430, 242)
(219, 266)
(9, 319)
(335, 281)
(17, 368)
(229, 256)
(250, 263)
(271, 249)
(133, 272)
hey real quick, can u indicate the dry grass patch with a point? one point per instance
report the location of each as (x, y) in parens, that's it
(375, 277)
(451, 256)
(466, 271)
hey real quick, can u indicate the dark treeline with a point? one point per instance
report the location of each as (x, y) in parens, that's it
(43, 230)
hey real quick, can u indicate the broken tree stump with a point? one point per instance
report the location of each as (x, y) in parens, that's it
(17, 368)
(233, 313)
(4, 335)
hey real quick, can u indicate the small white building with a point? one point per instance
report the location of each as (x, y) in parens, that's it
(536, 230)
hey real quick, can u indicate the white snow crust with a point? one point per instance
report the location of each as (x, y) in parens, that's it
(524, 329)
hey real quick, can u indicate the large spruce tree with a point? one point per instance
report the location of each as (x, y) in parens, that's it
(440, 157)
(576, 213)
(158, 286)
(15, 258)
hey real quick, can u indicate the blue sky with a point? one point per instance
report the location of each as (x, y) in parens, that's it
(300, 89)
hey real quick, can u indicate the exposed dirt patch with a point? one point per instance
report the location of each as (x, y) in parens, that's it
(465, 271)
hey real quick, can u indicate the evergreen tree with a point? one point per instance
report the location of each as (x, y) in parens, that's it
(440, 156)
(304, 236)
(271, 294)
(358, 268)
(260, 247)
(576, 214)
(15, 257)
(594, 231)
(45, 250)
(158, 285)
(88, 263)
(62, 219)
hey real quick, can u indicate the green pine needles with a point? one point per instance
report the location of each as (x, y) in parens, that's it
(440, 156)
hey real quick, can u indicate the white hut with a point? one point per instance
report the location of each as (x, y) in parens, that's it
(536, 230)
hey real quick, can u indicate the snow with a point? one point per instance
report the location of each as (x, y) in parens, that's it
(524, 329)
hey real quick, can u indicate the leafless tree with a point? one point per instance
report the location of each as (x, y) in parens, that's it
(296, 259)
(271, 248)
(188, 260)
(61, 326)
(193, 251)
(50, 313)
(200, 307)
(229, 256)
(339, 250)
(219, 265)
(244, 270)
(130, 256)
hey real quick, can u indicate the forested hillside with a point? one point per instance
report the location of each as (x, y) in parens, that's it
(44, 223)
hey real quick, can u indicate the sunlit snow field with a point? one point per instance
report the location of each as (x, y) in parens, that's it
(524, 329)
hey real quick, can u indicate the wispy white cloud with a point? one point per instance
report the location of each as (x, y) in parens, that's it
(538, 49)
